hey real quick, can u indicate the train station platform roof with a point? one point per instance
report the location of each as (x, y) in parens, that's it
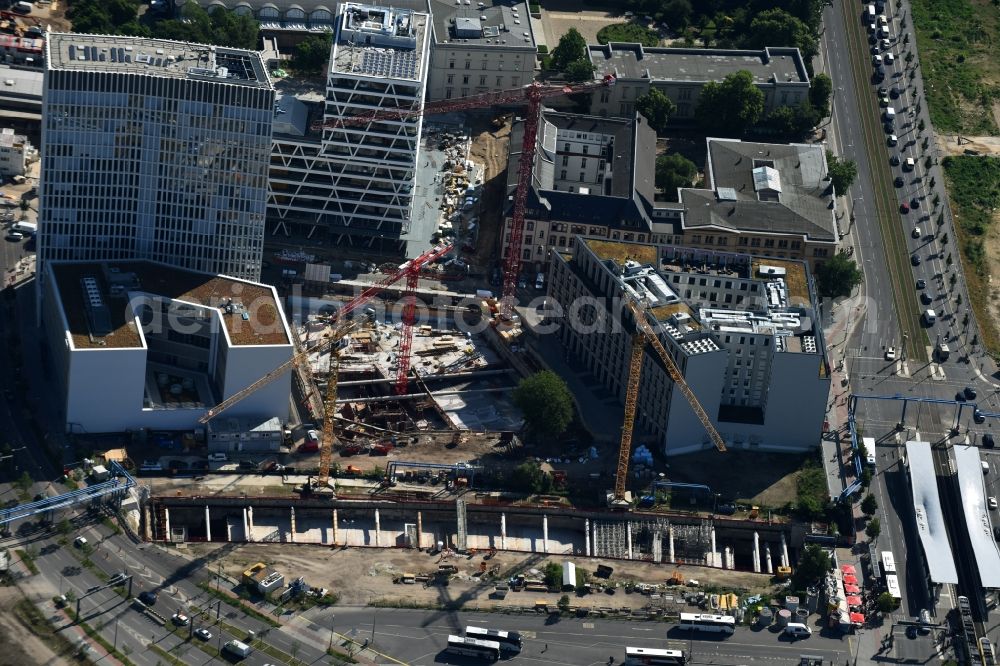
(972, 490)
(928, 514)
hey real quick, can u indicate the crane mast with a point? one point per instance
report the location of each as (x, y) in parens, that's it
(645, 333)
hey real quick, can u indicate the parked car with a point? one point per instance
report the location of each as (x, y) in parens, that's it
(203, 633)
(217, 457)
(180, 619)
(987, 440)
(80, 542)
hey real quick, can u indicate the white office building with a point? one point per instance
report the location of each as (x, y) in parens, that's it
(141, 344)
(742, 330)
(16, 152)
(351, 183)
(154, 149)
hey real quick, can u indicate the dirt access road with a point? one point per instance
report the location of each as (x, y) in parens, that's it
(984, 145)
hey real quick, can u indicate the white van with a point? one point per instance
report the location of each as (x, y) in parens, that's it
(889, 115)
(870, 13)
(25, 227)
(798, 630)
(237, 648)
(930, 317)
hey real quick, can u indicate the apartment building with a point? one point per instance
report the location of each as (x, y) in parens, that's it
(593, 177)
(767, 199)
(347, 181)
(743, 330)
(475, 45)
(480, 46)
(680, 74)
(142, 344)
(16, 152)
(154, 149)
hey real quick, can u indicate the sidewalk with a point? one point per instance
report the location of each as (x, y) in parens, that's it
(39, 591)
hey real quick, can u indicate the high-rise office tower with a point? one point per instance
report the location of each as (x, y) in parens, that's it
(154, 149)
(353, 182)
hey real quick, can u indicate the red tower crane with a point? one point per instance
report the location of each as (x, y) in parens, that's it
(532, 95)
(408, 270)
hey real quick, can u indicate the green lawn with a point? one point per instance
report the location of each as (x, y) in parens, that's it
(961, 68)
(974, 187)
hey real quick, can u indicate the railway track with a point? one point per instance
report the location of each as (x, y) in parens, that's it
(892, 230)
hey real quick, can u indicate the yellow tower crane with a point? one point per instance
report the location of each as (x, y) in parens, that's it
(645, 333)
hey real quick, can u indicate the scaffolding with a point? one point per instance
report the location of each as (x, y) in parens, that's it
(644, 539)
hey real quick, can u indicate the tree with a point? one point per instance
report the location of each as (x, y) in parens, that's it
(732, 107)
(24, 482)
(553, 573)
(820, 91)
(842, 172)
(869, 505)
(312, 53)
(814, 563)
(838, 276)
(546, 403)
(563, 603)
(656, 108)
(677, 14)
(528, 477)
(106, 17)
(632, 33)
(776, 27)
(874, 529)
(579, 70)
(571, 48)
(793, 122)
(673, 170)
(220, 27)
(886, 603)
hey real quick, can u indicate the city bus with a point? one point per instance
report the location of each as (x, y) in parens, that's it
(888, 562)
(724, 624)
(892, 586)
(649, 657)
(510, 641)
(473, 647)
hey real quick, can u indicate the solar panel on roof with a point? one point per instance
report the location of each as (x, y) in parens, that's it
(102, 57)
(72, 52)
(93, 53)
(128, 58)
(114, 55)
(121, 55)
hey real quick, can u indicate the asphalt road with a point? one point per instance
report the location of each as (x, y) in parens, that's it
(176, 581)
(845, 50)
(419, 637)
